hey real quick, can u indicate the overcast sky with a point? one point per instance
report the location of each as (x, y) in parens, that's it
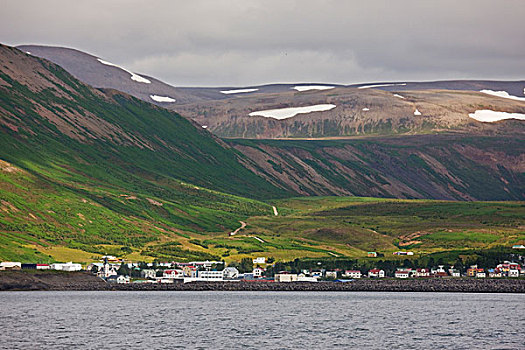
(239, 43)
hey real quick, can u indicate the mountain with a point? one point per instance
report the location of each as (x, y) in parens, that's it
(86, 171)
(82, 166)
(382, 108)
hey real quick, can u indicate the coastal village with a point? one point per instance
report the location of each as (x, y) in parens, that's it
(114, 270)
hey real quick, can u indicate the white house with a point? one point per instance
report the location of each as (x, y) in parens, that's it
(230, 273)
(285, 277)
(376, 273)
(10, 265)
(174, 273)
(120, 279)
(210, 275)
(260, 260)
(422, 272)
(258, 272)
(148, 273)
(514, 273)
(331, 274)
(303, 278)
(402, 274)
(69, 266)
(353, 273)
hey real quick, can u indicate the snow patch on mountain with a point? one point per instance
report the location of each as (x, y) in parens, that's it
(302, 88)
(379, 85)
(284, 113)
(503, 94)
(238, 91)
(158, 98)
(399, 96)
(134, 77)
(488, 116)
(365, 109)
(417, 112)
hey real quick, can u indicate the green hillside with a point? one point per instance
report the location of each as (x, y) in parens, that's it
(452, 167)
(133, 171)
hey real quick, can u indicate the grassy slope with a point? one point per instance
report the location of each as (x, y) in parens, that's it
(145, 183)
(419, 166)
(350, 226)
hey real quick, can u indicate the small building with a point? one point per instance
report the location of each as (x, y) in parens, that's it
(472, 270)
(27, 266)
(285, 277)
(303, 278)
(422, 272)
(518, 246)
(42, 266)
(331, 274)
(148, 273)
(371, 254)
(316, 274)
(230, 273)
(258, 272)
(173, 273)
(189, 271)
(402, 274)
(352, 274)
(69, 266)
(376, 273)
(210, 275)
(120, 279)
(514, 273)
(260, 260)
(480, 273)
(495, 273)
(10, 265)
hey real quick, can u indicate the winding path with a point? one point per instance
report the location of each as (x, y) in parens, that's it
(243, 225)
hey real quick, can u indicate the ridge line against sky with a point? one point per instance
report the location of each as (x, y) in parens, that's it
(242, 43)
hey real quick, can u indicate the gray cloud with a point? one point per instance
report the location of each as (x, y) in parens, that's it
(211, 43)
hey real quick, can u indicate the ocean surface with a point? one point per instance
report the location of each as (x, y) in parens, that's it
(261, 320)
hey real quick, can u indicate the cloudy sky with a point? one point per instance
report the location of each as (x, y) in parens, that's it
(238, 43)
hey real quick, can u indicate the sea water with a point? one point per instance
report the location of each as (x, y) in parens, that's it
(261, 320)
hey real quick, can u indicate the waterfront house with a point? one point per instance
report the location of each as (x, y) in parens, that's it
(173, 273)
(258, 272)
(285, 277)
(514, 273)
(189, 271)
(148, 273)
(331, 274)
(69, 266)
(10, 265)
(371, 254)
(352, 274)
(230, 273)
(376, 273)
(472, 270)
(422, 272)
(317, 274)
(210, 275)
(480, 273)
(303, 278)
(518, 246)
(120, 279)
(42, 266)
(402, 273)
(495, 273)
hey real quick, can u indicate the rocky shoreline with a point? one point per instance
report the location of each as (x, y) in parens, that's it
(83, 281)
